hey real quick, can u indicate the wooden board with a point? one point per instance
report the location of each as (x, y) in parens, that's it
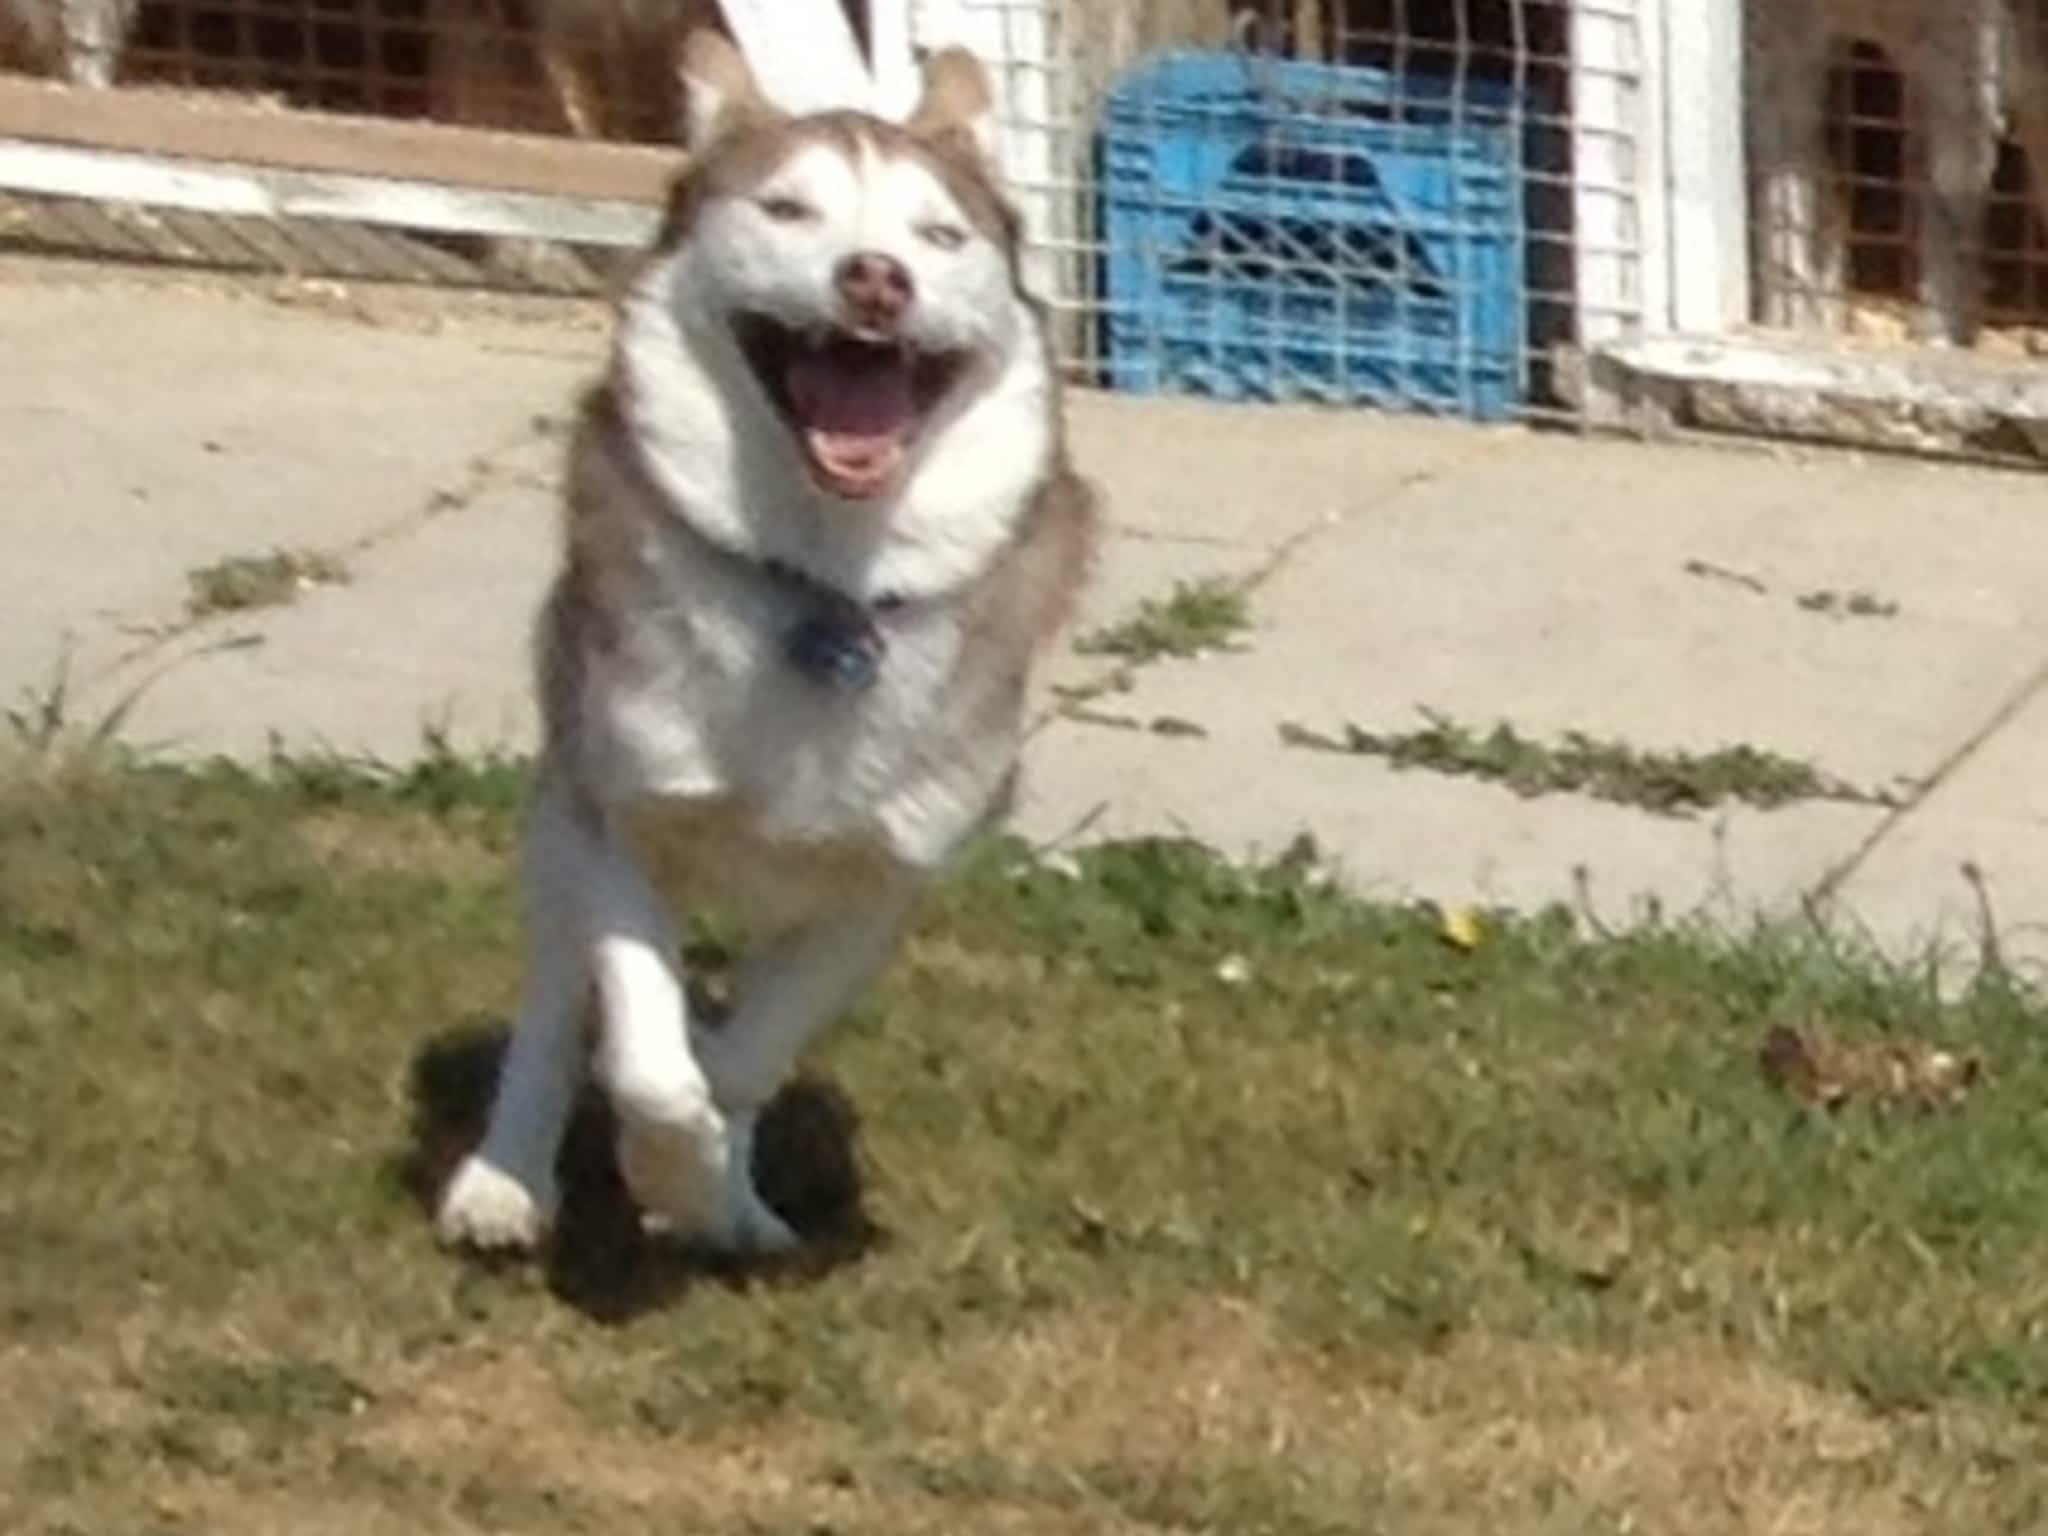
(272, 192)
(192, 125)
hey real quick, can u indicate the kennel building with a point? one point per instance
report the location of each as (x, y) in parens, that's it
(1572, 210)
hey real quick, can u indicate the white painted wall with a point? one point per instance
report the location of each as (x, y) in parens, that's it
(803, 52)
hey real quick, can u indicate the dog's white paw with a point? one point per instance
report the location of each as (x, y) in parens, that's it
(486, 1207)
(675, 1165)
(693, 1183)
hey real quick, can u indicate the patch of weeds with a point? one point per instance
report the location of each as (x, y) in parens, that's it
(1858, 604)
(441, 780)
(43, 720)
(46, 729)
(1195, 618)
(243, 582)
(1707, 570)
(1177, 726)
(1668, 783)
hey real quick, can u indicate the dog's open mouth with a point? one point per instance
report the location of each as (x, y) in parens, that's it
(856, 402)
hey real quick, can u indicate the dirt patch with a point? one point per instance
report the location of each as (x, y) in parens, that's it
(388, 845)
(502, 1423)
(1474, 1438)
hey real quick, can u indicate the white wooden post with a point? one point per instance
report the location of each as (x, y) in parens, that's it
(1706, 180)
(803, 52)
(1608, 126)
(889, 55)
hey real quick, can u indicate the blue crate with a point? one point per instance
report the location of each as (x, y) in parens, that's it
(1307, 231)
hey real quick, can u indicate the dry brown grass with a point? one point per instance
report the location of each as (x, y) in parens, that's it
(350, 839)
(1202, 1416)
(1477, 1438)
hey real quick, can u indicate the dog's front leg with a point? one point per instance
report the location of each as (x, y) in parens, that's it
(504, 1195)
(787, 991)
(673, 1145)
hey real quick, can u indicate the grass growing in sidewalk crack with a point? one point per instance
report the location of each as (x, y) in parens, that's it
(1669, 783)
(242, 582)
(1195, 617)
(1848, 605)
(1158, 725)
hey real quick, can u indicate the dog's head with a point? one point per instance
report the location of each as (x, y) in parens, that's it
(847, 282)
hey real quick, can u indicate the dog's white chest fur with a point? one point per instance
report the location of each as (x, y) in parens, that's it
(700, 704)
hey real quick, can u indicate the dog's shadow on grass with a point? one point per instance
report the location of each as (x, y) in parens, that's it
(599, 1261)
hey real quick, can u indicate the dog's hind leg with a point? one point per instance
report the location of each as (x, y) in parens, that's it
(787, 990)
(505, 1194)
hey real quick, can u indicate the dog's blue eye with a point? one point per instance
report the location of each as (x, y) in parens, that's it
(787, 210)
(947, 237)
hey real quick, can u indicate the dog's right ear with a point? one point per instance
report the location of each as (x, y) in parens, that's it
(719, 88)
(958, 104)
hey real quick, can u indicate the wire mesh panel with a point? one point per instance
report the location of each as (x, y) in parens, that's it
(594, 68)
(1416, 203)
(1345, 201)
(1898, 153)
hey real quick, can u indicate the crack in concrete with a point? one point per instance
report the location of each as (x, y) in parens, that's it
(1845, 869)
(485, 472)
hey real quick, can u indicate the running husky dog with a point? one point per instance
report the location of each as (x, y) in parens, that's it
(820, 522)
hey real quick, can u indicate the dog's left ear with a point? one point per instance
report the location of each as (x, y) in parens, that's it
(957, 108)
(719, 88)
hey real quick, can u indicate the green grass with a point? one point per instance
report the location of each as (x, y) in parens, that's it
(1194, 618)
(243, 582)
(1672, 783)
(1385, 1232)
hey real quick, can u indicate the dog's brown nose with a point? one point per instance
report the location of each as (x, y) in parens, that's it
(876, 289)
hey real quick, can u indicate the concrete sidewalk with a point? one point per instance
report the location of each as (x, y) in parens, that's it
(1648, 595)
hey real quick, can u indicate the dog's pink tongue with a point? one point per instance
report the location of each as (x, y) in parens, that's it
(855, 408)
(851, 394)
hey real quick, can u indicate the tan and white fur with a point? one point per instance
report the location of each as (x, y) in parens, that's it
(1970, 68)
(827, 388)
(77, 41)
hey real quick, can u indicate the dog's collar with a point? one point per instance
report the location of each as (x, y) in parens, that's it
(838, 641)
